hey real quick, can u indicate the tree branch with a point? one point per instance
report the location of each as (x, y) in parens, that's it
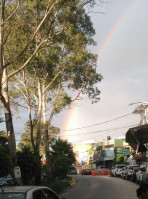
(19, 89)
(10, 15)
(28, 60)
(79, 92)
(54, 78)
(34, 34)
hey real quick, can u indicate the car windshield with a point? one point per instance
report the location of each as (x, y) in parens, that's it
(12, 195)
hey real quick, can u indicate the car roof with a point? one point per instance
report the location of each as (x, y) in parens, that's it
(19, 188)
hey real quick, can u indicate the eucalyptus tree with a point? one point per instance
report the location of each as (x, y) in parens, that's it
(19, 42)
(54, 57)
(26, 141)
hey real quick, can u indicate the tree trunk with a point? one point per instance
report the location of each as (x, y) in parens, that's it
(4, 91)
(46, 137)
(31, 126)
(8, 118)
(38, 141)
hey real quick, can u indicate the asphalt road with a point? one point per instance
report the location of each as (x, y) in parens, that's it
(100, 187)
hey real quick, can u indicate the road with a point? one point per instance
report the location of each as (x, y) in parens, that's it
(100, 187)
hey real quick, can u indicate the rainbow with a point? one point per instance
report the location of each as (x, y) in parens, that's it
(118, 25)
(70, 122)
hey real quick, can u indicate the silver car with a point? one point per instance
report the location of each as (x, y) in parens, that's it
(27, 192)
(127, 171)
(145, 177)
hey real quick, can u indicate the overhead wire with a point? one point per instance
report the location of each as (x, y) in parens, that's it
(104, 134)
(104, 130)
(98, 123)
(91, 138)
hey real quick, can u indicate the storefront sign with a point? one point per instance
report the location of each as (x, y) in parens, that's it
(122, 151)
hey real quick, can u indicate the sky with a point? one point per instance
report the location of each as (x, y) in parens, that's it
(122, 48)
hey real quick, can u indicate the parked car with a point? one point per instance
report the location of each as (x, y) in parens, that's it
(86, 172)
(133, 174)
(116, 170)
(3, 181)
(10, 180)
(139, 175)
(7, 180)
(27, 192)
(127, 171)
(72, 171)
(145, 177)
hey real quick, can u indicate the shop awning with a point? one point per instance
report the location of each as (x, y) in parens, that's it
(137, 137)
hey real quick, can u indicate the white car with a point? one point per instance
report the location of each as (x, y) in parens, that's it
(128, 171)
(116, 170)
(27, 192)
(139, 175)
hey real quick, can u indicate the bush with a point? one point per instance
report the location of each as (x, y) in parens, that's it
(30, 166)
(57, 185)
(5, 162)
(60, 167)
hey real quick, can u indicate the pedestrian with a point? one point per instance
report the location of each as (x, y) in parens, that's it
(142, 191)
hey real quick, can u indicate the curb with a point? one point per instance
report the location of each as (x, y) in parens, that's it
(72, 182)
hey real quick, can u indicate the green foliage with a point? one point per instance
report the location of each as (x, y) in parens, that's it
(60, 166)
(57, 185)
(30, 166)
(25, 137)
(5, 160)
(63, 148)
(119, 159)
(62, 158)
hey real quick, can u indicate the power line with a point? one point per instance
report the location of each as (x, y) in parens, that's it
(98, 123)
(104, 130)
(95, 137)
